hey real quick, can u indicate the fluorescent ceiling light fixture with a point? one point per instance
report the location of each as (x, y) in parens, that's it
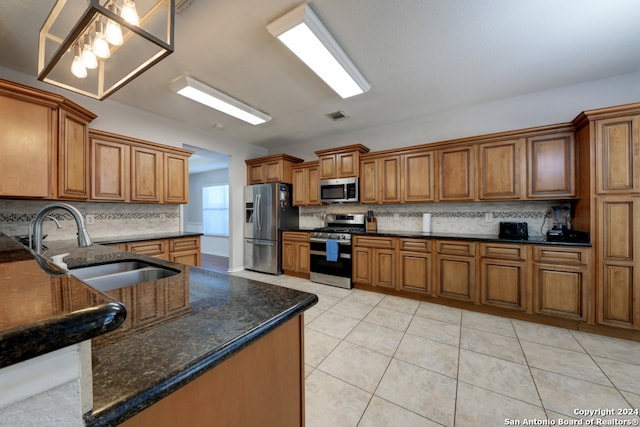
(302, 32)
(200, 92)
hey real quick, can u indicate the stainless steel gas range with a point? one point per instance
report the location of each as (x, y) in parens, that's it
(331, 249)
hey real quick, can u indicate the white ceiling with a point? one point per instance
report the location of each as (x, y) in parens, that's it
(420, 57)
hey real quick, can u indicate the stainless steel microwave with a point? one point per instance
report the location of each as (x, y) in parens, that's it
(339, 190)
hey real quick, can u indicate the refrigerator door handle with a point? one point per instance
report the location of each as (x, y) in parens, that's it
(263, 243)
(257, 211)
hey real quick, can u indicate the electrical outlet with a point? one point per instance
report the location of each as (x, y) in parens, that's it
(396, 216)
(488, 216)
(90, 219)
(163, 217)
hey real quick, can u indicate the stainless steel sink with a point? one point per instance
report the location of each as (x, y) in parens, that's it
(120, 274)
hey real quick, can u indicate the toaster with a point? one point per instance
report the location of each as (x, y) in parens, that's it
(514, 231)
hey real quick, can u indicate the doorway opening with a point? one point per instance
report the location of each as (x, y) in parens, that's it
(208, 209)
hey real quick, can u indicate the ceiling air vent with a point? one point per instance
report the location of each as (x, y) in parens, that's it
(338, 115)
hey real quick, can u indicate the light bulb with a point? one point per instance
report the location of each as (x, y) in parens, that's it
(78, 68)
(100, 46)
(113, 33)
(88, 57)
(129, 12)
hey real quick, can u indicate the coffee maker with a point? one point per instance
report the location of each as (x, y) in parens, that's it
(561, 225)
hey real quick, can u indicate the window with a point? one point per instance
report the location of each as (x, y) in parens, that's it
(215, 210)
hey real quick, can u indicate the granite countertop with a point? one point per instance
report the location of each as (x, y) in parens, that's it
(41, 312)
(536, 240)
(176, 329)
(139, 237)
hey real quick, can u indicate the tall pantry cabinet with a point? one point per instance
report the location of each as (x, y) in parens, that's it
(609, 138)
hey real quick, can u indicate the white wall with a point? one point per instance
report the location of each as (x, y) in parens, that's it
(558, 105)
(214, 245)
(122, 119)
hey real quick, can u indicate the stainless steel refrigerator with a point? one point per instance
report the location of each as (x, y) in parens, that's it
(268, 209)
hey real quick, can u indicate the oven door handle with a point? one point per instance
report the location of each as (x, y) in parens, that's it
(324, 254)
(319, 240)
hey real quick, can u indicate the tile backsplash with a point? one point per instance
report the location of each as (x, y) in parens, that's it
(109, 219)
(468, 218)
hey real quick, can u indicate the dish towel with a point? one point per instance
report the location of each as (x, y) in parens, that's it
(332, 250)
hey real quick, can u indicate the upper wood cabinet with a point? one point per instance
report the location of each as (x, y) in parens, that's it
(341, 162)
(44, 144)
(417, 180)
(176, 178)
(551, 162)
(618, 155)
(456, 173)
(501, 167)
(128, 169)
(380, 179)
(306, 186)
(274, 168)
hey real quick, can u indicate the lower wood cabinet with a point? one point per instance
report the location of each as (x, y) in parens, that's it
(504, 278)
(456, 269)
(185, 250)
(296, 253)
(374, 261)
(414, 266)
(261, 385)
(561, 282)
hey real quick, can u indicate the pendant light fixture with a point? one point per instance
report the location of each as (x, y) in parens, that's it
(117, 39)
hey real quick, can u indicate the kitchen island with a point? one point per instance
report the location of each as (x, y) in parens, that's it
(198, 346)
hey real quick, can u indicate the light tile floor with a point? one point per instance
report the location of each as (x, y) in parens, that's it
(376, 360)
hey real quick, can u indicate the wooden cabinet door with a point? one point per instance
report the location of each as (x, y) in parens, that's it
(500, 166)
(618, 155)
(146, 175)
(618, 263)
(455, 277)
(303, 260)
(415, 272)
(362, 265)
(185, 250)
(347, 164)
(389, 167)
(560, 290)
(256, 174)
(503, 284)
(273, 171)
(73, 157)
(27, 140)
(456, 178)
(109, 170)
(551, 166)
(417, 184)
(176, 178)
(328, 167)
(369, 192)
(288, 255)
(300, 187)
(313, 186)
(384, 268)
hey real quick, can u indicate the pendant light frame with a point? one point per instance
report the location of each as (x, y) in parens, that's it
(54, 50)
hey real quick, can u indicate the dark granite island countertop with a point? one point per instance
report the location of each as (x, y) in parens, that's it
(177, 329)
(41, 312)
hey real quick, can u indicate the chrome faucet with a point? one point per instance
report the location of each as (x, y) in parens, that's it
(84, 239)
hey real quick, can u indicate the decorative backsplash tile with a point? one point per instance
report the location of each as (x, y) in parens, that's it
(472, 218)
(109, 219)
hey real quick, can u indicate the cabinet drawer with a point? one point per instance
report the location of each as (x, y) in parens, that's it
(295, 235)
(374, 242)
(184, 244)
(150, 247)
(503, 251)
(456, 247)
(561, 255)
(415, 245)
